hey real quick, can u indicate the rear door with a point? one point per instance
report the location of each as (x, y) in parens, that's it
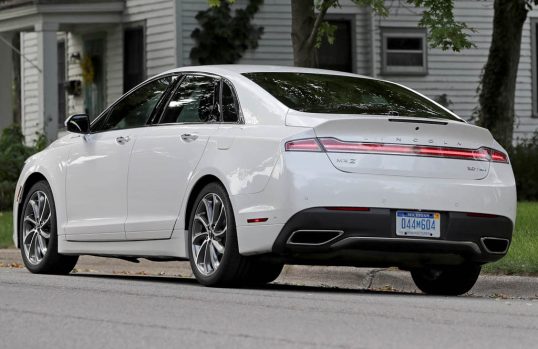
(166, 154)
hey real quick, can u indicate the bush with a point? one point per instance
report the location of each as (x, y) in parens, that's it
(524, 158)
(13, 153)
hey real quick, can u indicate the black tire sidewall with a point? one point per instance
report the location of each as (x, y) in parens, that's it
(52, 248)
(453, 281)
(230, 261)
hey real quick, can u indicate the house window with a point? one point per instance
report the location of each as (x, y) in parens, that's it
(404, 51)
(134, 71)
(339, 55)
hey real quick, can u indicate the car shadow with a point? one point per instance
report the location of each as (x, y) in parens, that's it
(276, 286)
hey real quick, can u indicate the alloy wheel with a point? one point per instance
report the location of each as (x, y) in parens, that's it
(36, 227)
(209, 233)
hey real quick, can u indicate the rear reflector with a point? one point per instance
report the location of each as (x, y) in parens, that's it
(348, 208)
(310, 144)
(337, 146)
(257, 220)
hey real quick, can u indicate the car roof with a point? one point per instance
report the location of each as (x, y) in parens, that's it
(237, 69)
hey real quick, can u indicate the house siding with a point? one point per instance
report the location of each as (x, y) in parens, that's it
(457, 74)
(32, 121)
(169, 24)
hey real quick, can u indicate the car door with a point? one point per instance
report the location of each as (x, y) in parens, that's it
(166, 154)
(96, 182)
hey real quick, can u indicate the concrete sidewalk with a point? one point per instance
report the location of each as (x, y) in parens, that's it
(390, 280)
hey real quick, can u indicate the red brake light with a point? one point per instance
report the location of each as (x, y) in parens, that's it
(480, 154)
(498, 156)
(309, 144)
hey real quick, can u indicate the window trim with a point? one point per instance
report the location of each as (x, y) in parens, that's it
(534, 67)
(403, 32)
(107, 110)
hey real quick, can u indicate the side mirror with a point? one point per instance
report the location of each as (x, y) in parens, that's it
(78, 123)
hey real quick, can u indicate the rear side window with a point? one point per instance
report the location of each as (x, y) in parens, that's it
(195, 100)
(230, 107)
(333, 94)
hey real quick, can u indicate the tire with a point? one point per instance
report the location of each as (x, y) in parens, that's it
(39, 237)
(261, 273)
(447, 281)
(216, 269)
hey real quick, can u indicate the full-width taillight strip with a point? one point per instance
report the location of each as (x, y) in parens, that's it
(333, 145)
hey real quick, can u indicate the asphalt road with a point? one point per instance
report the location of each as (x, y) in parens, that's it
(86, 310)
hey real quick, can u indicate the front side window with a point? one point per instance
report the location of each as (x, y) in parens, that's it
(404, 51)
(196, 100)
(334, 94)
(135, 109)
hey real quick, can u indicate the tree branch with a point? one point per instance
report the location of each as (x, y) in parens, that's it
(324, 7)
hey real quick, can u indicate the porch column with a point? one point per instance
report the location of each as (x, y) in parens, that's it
(47, 61)
(6, 72)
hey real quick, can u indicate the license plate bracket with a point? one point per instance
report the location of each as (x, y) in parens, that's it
(418, 224)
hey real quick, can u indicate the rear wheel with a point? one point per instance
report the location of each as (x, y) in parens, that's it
(212, 240)
(261, 273)
(448, 281)
(39, 237)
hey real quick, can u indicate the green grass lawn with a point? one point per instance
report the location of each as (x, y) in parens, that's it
(6, 229)
(521, 259)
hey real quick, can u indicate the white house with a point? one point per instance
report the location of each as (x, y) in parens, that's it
(130, 40)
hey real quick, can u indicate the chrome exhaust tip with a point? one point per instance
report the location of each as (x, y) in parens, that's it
(313, 237)
(495, 245)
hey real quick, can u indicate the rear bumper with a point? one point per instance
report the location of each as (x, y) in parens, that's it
(369, 239)
(300, 182)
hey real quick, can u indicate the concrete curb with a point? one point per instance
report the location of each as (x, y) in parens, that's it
(390, 280)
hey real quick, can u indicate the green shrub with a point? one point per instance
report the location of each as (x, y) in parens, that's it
(13, 153)
(524, 158)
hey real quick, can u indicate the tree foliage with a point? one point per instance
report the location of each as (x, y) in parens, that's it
(309, 27)
(13, 153)
(222, 37)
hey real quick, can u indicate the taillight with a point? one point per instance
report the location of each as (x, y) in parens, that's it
(308, 144)
(333, 145)
(498, 156)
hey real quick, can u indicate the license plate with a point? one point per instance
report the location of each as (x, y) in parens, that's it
(422, 224)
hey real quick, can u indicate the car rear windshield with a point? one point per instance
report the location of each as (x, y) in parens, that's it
(335, 94)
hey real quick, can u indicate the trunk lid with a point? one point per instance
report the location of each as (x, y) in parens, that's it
(428, 134)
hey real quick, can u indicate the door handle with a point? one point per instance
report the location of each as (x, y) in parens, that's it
(189, 137)
(122, 140)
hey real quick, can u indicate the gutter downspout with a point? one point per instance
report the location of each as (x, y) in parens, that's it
(373, 63)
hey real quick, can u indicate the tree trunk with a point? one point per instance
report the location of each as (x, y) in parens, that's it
(302, 24)
(498, 86)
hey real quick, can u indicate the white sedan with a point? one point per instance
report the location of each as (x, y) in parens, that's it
(242, 169)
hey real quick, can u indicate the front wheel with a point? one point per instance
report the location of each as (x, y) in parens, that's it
(447, 281)
(38, 232)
